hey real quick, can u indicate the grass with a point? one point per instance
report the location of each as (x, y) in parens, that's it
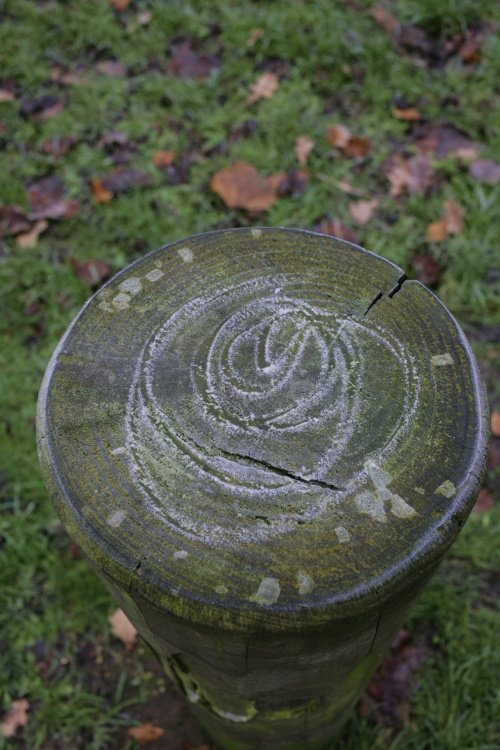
(337, 66)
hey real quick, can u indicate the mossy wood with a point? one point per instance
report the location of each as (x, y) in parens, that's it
(264, 440)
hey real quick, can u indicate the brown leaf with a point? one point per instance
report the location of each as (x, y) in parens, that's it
(122, 628)
(75, 77)
(453, 216)
(346, 187)
(470, 51)
(410, 113)
(303, 147)
(362, 211)
(30, 239)
(112, 68)
(291, 182)
(100, 193)
(13, 220)
(436, 231)
(241, 186)
(187, 62)
(486, 170)
(162, 159)
(120, 5)
(412, 175)
(384, 19)
(264, 87)
(484, 501)
(145, 733)
(16, 717)
(254, 36)
(495, 423)
(47, 201)
(445, 140)
(58, 145)
(336, 228)
(91, 272)
(123, 179)
(6, 95)
(426, 269)
(351, 145)
(41, 108)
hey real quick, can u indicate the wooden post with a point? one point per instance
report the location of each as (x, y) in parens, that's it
(264, 440)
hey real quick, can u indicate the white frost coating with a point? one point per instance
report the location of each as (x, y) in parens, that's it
(121, 301)
(259, 370)
(181, 554)
(342, 534)
(447, 489)
(439, 360)
(116, 518)
(305, 582)
(132, 285)
(154, 275)
(186, 254)
(268, 592)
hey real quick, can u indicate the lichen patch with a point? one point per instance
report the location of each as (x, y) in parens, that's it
(116, 518)
(256, 233)
(305, 582)
(154, 275)
(121, 301)
(440, 360)
(132, 285)
(268, 592)
(181, 554)
(342, 534)
(221, 589)
(447, 489)
(186, 254)
(401, 508)
(369, 503)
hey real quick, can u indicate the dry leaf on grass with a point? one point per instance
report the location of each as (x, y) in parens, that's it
(351, 145)
(450, 223)
(436, 231)
(444, 140)
(187, 62)
(145, 733)
(122, 628)
(336, 228)
(241, 186)
(409, 175)
(120, 4)
(41, 108)
(362, 211)
(91, 272)
(58, 145)
(426, 269)
(111, 68)
(410, 114)
(30, 239)
(485, 170)
(264, 87)
(162, 159)
(47, 201)
(495, 423)
(13, 220)
(254, 36)
(120, 180)
(303, 147)
(100, 193)
(16, 717)
(6, 95)
(384, 19)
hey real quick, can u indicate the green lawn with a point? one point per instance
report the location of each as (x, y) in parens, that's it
(335, 65)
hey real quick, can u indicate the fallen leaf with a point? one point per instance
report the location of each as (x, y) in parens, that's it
(120, 5)
(254, 36)
(100, 193)
(362, 211)
(412, 175)
(303, 147)
(453, 217)
(112, 68)
(75, 77)
(264, 87)
(336, 228)
(47, 201)
(122, 628)
(470, 50)
(123, 179)
(144, 17)
(445, 140)
(426, 269)
(58, 145)
(162, 159)
(351, 145)
(145, 733)
(91, 272)
(495, 423)
(6, 95)
(436, 231)
(346, 187)
(384, 19)
(410, 113)
(484, 501)
(30, 239)
(16, 717)
(41, 108)
(187, 62)
(13, 220)
(241, 186)
(414, 39)
(486, 170)
(291, 182)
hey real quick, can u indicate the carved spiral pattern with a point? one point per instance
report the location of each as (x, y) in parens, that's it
(263, 369)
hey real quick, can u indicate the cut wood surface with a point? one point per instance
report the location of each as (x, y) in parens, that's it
(258, 432)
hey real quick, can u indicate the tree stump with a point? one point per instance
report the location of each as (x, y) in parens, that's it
(264, 440)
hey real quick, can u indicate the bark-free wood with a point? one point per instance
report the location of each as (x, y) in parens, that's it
(264, 440)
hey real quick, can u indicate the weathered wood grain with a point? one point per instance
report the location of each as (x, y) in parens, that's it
(264, 440)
